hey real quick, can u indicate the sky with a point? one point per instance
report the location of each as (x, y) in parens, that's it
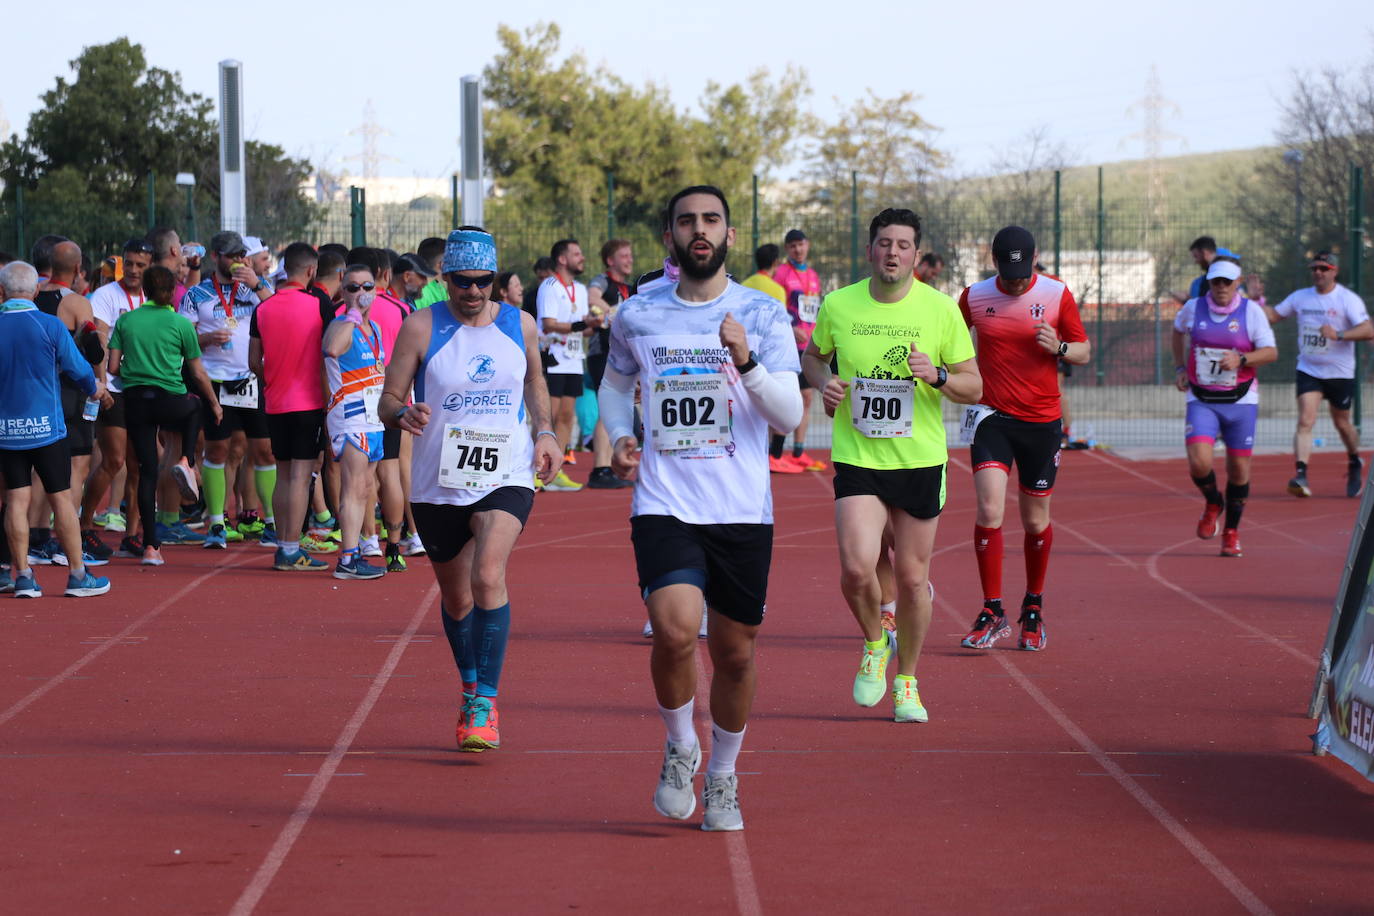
(987, 74)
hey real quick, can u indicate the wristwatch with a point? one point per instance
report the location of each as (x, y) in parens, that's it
(1063, 348)
(749, 363)
(941, 376)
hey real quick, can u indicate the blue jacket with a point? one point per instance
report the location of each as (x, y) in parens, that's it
(34, 348)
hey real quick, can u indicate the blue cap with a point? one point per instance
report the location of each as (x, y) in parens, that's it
(1227, 253)
(469, 249)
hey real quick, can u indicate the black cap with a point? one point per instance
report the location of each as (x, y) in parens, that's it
(793, 235)
(1013, 248)
(412, 262)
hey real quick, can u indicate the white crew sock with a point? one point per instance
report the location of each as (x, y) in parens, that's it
(724, 750)
(889, 608)
(679, 724)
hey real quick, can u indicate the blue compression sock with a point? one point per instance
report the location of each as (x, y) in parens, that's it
(460, 643)
(492, 627)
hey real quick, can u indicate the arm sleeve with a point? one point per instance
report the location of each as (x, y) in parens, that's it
(71, 363)
(616, 402)
(776, 395)
(1070, 324)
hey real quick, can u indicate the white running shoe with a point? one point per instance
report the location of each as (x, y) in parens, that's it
(371, 546)
(413, 546)
(674, 796)
(720, 796)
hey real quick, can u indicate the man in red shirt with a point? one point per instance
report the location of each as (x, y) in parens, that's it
(1024, 325)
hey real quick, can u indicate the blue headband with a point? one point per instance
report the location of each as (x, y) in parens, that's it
(469, 249)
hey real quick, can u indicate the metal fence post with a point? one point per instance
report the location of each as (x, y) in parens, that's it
(756, 213)
(152, 199)
(854, 227)
(610, 205)
(1101, 222)
(1058, 235)
(454, 193)
(1355, 278)
(19, 219)
(357, 211)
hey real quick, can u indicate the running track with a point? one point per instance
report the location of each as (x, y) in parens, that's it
(219, 738)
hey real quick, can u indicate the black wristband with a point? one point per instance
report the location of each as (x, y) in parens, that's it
(579, 325)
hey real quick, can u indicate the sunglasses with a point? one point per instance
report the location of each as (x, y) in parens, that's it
(1321, 268)
(463, 282)
(359, 287)
(140, 246)
(1220, 281)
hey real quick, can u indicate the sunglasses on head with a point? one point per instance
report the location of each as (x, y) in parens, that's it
(463, 282)
(139, 246)
(359, 287)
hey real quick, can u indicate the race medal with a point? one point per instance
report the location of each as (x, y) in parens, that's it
(974, 414)
(689, 411)
(1207, 363)
(473, 458)
(247, 397)
(808, 307)
(231, 322)
(881, 408)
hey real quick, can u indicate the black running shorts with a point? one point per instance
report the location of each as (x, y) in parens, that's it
(52, 463)
(296, 435)
(1339, 391)
(734, 560)
(920, 492)
(564, 384)
(391, 444)
(445, 530)
(1002, 441)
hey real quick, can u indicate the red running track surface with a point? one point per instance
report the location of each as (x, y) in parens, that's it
(216, 737)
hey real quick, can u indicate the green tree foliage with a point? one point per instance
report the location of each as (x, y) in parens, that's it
(89, 148)
(555, 128)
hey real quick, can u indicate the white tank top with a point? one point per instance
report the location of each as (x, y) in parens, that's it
(473, 379)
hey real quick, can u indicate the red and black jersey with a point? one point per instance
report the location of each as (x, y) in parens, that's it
(1019, 378)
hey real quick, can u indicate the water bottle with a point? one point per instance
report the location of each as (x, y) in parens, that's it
(90, 410)
(1092, 436)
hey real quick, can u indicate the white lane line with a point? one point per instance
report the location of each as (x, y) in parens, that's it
(276, 856)
(736, 847)
(1201, 853)
(117, 639)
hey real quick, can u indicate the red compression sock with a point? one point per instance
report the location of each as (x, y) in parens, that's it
(1038, 559)
(987, 546)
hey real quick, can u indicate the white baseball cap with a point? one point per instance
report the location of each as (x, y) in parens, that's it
(1229, 270)
(253, 244)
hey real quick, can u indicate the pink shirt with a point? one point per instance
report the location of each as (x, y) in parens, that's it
(291, 328)
(800, 283)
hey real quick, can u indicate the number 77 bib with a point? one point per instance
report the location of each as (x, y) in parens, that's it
(473, 458)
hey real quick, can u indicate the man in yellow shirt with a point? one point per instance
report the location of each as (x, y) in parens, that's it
(765, 259)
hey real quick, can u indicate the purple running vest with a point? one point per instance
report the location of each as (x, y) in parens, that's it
(1227, 333)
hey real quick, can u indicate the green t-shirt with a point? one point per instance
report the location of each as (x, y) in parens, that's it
(434, 291)
(872, 339)
(155, 341)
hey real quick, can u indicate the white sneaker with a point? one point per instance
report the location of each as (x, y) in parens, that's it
(674, 796)
(371, 546)
(413, 546)
(720, 795)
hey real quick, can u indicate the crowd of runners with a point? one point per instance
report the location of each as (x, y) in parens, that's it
(385, 405)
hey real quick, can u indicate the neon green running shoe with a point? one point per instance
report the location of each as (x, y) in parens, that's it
(871, 682)
(906, 701)
(315, 545)
(232, 534)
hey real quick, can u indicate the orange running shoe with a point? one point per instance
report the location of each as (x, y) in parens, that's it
(783, 466)
(806, 462)
(1210, 524)
(570, 457)
(460, 731)
(483, 732)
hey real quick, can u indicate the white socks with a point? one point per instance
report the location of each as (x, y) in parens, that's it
(724, 750)
(679, 724)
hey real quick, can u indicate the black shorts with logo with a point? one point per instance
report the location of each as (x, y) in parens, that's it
(920, 492)
(1339, 391)
(445, 530)
(1003, 441)
(728, 562)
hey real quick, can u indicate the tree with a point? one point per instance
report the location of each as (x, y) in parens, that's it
(85, 159)
(1299, 194)
(554, 130)
(887, 142)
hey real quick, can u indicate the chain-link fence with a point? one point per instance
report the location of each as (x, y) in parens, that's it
(1126, 267)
